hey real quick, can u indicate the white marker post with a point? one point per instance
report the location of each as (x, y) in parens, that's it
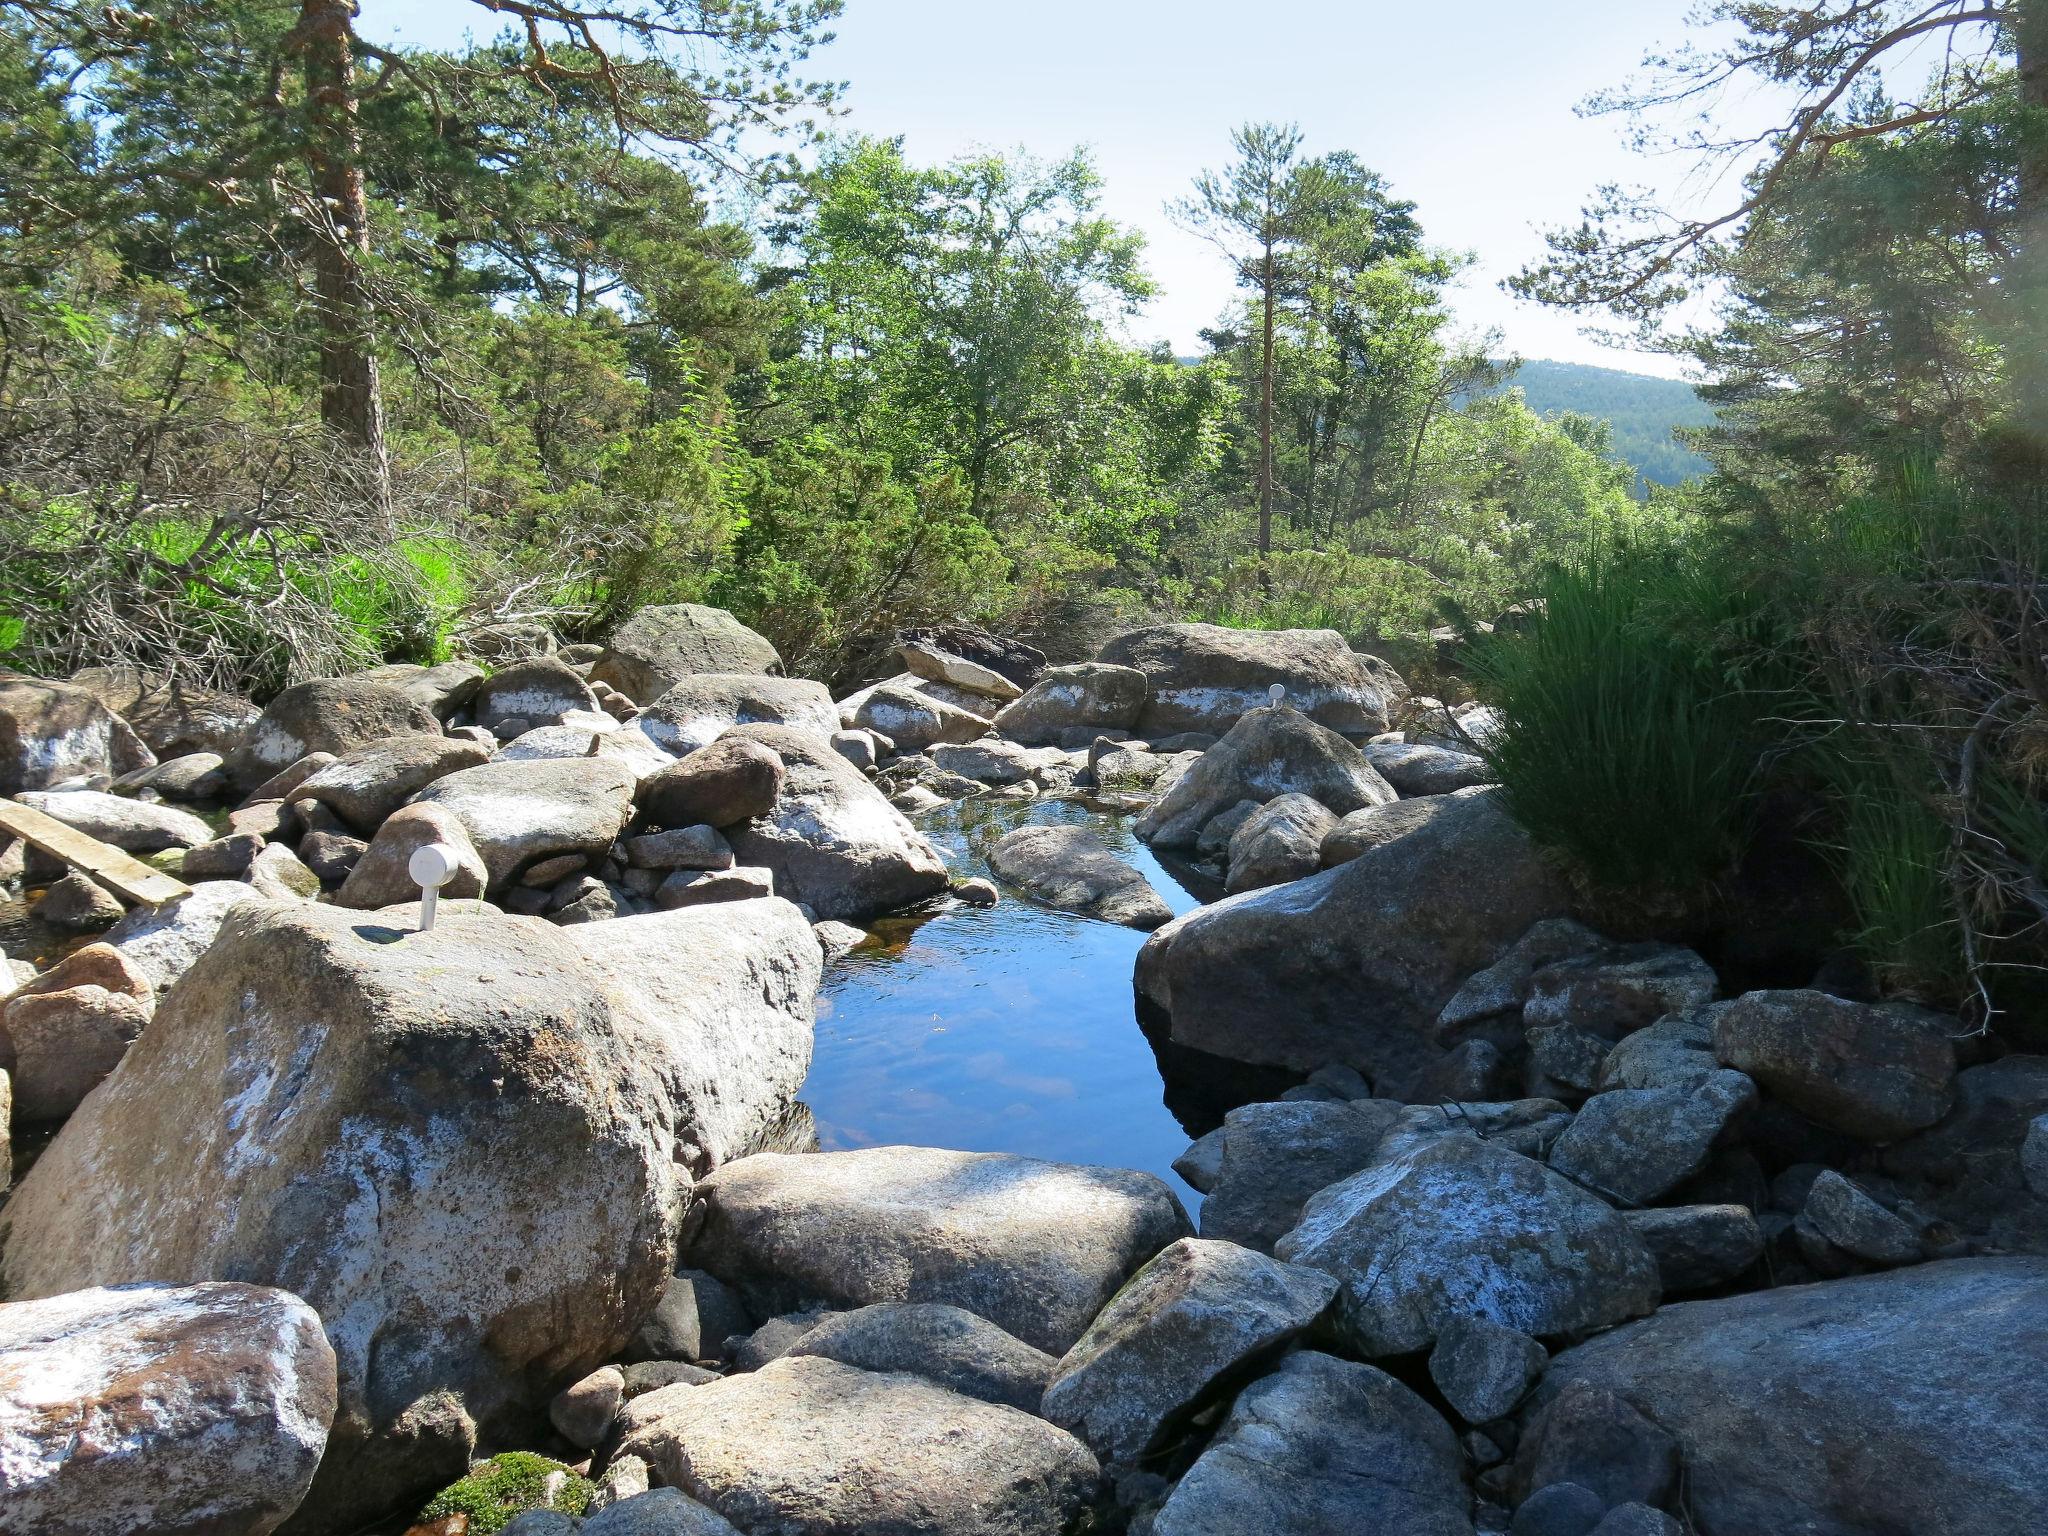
(431, 866)
(1275, 694)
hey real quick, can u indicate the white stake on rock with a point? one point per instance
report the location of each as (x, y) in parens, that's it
(431, 866)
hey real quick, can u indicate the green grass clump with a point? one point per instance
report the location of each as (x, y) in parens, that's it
(507, 1485)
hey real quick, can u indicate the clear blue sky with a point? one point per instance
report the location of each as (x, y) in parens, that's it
(1466, 107)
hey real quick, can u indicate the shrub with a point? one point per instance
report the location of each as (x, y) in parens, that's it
(507, 1485)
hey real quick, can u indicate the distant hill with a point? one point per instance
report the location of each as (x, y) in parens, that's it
(1642, 408)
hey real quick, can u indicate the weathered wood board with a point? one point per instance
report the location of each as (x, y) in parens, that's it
(122, 873)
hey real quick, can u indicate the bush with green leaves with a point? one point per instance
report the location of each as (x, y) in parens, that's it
(509, 1485)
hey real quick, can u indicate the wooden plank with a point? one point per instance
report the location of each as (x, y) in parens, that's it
(123, 874)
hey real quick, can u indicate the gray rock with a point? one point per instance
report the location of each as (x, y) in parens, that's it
(1279, 842)
(334, 715)
(658, 1512)
(1635, 1144)
(1354, 964)
(1588, 1435)
(1374, 826)
(135, 826)
(772, 1340)
(447, 688)
(1198, 1318)
(173, 717)
(160, 1408)
(834, 843)
(624, 1477)
(583, 1411)
(978, 892)
(1269, 752)
(281, 875)
(808, 1447)
(602, 1066)
(163, 941)
(331, 855)
(368, 784)
(2034, 1156)
(1847, 1217)
(644, 1376)
(1637, 1520)
(1213, 841)
(1620, 990)
(699, 710)
(995, 761)
(1877, 1072)
(1202, 1164)
(1560, 1509)
(1484, 1369)
(381, 877)
(838, 940)
(1677, 1052)
(915, 719)
(1423, 770)
(517, 814)
(284, 784)
(698, 847)
(858, 748)
(1324, 1445)
(1068, 867)
(1503, 987)
(1698, 1247)
(76, 903)
(1036, 1248)
(51, 732)
(1564, 1061)
(730, 781)
(658, 647)
(696, 1315)
(1275, 1156)
(944, 1344)
(540, 1522)
(941, 666)
(1204, 677)
(64, 1031)
(627, 746)
(709, 887)
(1461, 1227)
(1090, 696)
(541, 693)
(1887, 1375)
(194, 776)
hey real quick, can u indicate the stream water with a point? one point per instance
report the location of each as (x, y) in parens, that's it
(1003, 1030)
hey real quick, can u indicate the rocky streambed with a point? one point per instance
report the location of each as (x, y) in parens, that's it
(1006, 1100)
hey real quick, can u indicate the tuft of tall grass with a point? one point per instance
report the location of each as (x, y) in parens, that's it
(1636, 720)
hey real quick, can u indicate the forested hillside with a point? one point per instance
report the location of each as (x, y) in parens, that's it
(1643, 410)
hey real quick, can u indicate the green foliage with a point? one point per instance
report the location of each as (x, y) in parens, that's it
(1645, 413)
(507, 1485)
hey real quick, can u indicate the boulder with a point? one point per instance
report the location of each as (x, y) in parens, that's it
(225, 858)
(51, 732)
(1353, 965)
(1324, 1446)
(1373, 826)
(658, 648)
(1269, 752)
(1699, 1247)
(537, 692)
(699, 710)
(1279, 842)
(447, 688)
(697, 1313)
(331, 855)
(1036, 1248)
(1483, 1369)
(133, 825)
(76, 903)
(1070, 868)
(389, 1119)
(1617, 989)
(1090, 696)
(652, 1512)
(832, 841)
(1586, 1436)
(1275, 1156)
(517, 814)
(1461, 1227)
(684, 847)
(708, 887)
(583, 1411)
(1021, 664)
(1676, 1052)
(163, 941)
(808, 1447)
(1415, 769)
(851, 706)
(196, 776)
(627, 746)
(1197, 1320)
(1874, 1071)
(1841, 1407)
(1843, 1214)
(63, 1032)
(730, 781)
(1969, 1168)
(941, 666)
(1203, 677)
(1634, 1144)
(335, 714)
(995, 761)
(382, 876)
(172, 716)
(368, 784)
(194, 1410)
(948, 1345)
(916, 719)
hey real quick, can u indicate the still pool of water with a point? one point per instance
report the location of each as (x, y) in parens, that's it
(1004, 1030)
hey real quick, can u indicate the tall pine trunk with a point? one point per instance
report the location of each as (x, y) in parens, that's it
(1266, 416)
(351, 395)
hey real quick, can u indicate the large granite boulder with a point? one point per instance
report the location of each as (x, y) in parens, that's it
(917, 718)
(50, 732)
(1197, 1320)
(1634, 1145)
(1322, 1447)
(949, 1345)
(808, 1447)
(535, 693)
(658, 647)
(368, 784)
(1875, 1071)
(136, 826)
(1907, 1401)
(730, 781)
(1089, 696)
(447, 687)
(63, 1032)
(1069, 867)
(1354, 964)
(831, 839)
(1011, 659)
(1281, 841)
(1276, 1155)
(519, 814)
(1416, 769)
(331, 714)
(1034, 1247)
(939, 665)
(1269, 752)
(174, 717)
(1202, 677)
(700, 709)
(464, 1148)
(382, 876)
(174, 1410)
(1464, 1227)
(163, 941)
